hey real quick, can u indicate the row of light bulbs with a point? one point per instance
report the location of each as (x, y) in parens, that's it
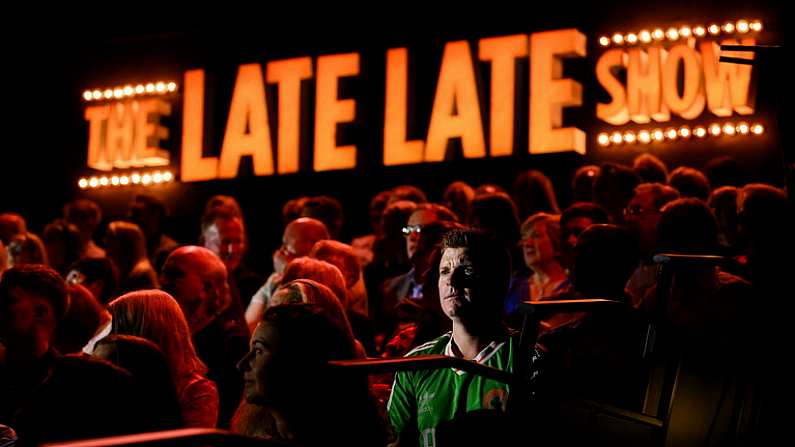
(672, 34)
(127, 91)
(647, 136)
(136, 178)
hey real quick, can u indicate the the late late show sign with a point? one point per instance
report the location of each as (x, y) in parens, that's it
(645, 83)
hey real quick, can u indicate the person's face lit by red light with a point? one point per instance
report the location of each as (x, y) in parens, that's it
(260, 365)
(226, 239)
(25, 317)
(642, 216)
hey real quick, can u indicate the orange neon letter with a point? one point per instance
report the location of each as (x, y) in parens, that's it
(456, 110)
(549, 93)
(193, 166)
(502, 52)
(397, 149)
(247, 130)
(330, 111)
(288, 74)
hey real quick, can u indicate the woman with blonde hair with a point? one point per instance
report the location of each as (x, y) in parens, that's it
(125, 244)
(156, 316)
(541, 249)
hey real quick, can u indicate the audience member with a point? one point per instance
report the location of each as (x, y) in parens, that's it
(99, 275)
(457, 198)
(86, 216)
(724, 171)
(156, 316)
(533, 193)
(641, 216)
(582, 183)
(151, 216)
(298, 397)
(613, 188)
(327, 210)
(574, 220)
(85, 318)
(225, 235)
(150, 372)
(27, 249)
(650, 169)
(196, 278)
(11, 224)
(45, 396)
(363, 246)
(690, 182)
(125, 245)
(62, 242)
(298, 239)
(473, 279)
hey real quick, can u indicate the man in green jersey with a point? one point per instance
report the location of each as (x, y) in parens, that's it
(474, 274)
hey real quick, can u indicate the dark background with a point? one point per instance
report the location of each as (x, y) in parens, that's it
(44, 152)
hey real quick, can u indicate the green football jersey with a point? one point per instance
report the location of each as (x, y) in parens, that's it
(423, 399)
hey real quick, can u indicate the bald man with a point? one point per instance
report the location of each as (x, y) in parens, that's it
(298, 239)
(196, 278)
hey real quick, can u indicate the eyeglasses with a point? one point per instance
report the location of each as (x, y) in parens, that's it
(75, 277)
(408, 229)
(637, 210)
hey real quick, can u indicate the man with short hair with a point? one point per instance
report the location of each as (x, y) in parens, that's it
(406, 285)
(46, 396)
(225, 235)
(298, 239)
(642, 215)
(474, 274)
(196, 278)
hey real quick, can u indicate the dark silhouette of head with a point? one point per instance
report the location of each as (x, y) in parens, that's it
(690, 182)
(98, 275)
(582, 183)
(614, 188)
(687, 226)
(650, 169)
(533, 193)
(605, 258)
(496, 214)
(327, 210)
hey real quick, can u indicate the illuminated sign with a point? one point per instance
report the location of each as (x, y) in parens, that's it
(125, 130)
(456, 110)
(650, 76)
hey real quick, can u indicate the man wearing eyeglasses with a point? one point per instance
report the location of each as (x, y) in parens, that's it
(405, 286)
(641, 216)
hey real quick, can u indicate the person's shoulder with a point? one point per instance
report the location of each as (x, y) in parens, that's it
(396, 281)
(86, 364)
(435, 346)
(726, 279)
(167, 243)
(78, 373)
(199, 384)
